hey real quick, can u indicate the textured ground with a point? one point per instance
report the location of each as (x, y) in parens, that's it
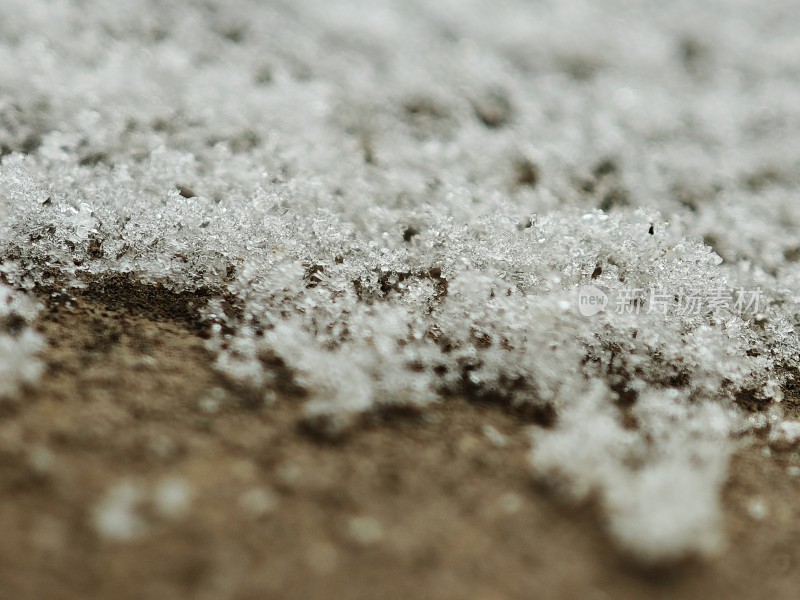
(271, 511)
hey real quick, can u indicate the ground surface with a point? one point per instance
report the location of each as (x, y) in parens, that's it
(274, 512)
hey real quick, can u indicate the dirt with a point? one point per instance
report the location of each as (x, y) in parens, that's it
(405, 506)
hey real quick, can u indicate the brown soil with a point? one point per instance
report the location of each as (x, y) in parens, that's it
(403, 507)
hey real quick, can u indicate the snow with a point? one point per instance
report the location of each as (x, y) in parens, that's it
(116, 516)
(173, 498)
(19, 343)
(402, 200)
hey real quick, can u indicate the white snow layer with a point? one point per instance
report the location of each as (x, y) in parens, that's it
(396, 201)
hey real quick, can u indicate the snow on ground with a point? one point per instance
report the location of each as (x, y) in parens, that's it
(394, 202)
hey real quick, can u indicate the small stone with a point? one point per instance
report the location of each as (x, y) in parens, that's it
(186, 192)
(493, 109)
(526, 173)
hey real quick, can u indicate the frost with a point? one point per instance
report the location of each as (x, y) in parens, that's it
(390, 204)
